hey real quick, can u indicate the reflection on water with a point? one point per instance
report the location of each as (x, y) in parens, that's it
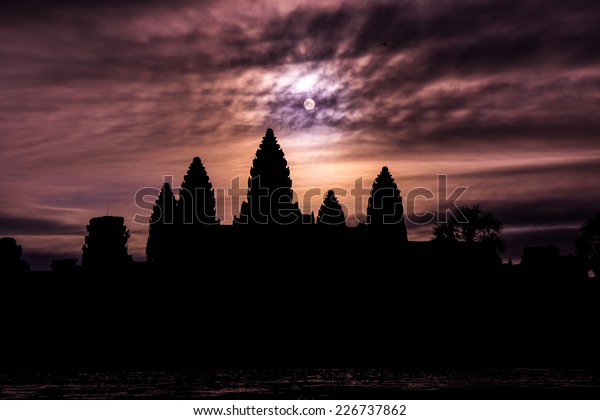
(309, 383)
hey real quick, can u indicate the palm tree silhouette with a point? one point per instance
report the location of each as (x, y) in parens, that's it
(480, 226)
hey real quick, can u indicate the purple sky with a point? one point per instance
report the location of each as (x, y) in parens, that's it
(100, 100)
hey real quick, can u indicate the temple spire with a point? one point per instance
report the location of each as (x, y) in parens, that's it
(385, 212)
(270, 191)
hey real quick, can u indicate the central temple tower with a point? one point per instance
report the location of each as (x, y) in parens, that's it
(270, 194)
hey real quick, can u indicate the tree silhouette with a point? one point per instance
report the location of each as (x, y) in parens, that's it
(105, 245)
(588, 244)
(161, 232)
(331, 213)
(269, 187)
(197, 198)
(480, 227)
(385, 212)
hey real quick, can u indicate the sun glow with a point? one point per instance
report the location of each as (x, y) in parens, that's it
(305, 83)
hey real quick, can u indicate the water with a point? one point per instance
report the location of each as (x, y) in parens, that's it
(309, 384)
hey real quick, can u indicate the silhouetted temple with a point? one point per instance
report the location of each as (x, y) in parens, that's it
(271, 230)
(187, 229)
(270, 195)
(270, 202)
(105, 245)
(271, 233)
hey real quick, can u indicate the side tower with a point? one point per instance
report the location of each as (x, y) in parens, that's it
(385, 212)
(197, 205)
(105, 245)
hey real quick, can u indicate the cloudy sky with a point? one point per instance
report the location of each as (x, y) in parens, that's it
(101, 98)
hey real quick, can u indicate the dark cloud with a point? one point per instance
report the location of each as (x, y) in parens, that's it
(558, 211)
(500, 46)
(14, 11)
(584, 169)
(14, 225)
(396, 24)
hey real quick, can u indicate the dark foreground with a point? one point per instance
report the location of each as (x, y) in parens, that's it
(149, 325)
(227, 330)
(309, 383)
